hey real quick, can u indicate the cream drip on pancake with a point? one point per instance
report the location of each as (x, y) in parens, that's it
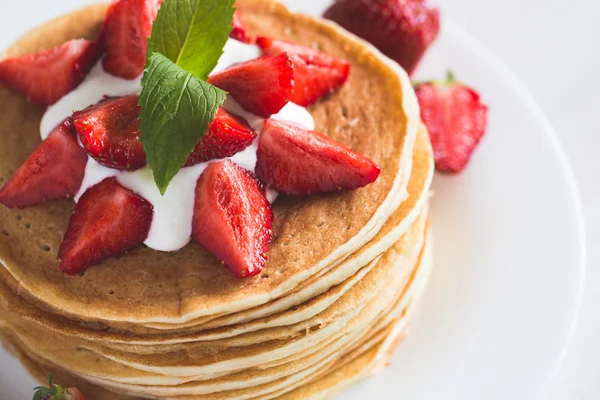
(172, 223)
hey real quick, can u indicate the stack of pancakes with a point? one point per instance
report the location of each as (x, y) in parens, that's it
(343, 273)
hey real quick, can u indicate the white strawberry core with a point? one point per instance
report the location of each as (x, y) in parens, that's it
(172, 223)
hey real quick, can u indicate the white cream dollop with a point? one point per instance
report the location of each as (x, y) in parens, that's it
(172, 222)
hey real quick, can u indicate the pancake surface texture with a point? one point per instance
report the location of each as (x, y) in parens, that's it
(344, 270)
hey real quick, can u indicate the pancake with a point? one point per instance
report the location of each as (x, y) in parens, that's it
(54, 343)
(376, 335)
(343, 275)
(192, 359)
(350, 366)
(311, 233)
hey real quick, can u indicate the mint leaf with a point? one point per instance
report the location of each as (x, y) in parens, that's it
(186, 43)
(192, 33)
(177, 108)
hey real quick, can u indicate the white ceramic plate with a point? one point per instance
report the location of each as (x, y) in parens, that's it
(509, 245)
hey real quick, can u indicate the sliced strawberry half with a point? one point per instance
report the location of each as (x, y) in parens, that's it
(108, 221)
(316, 74)
(233, 218)
(401, 29)
(295, 161)
(110, 132)
(44, 78)
(239, 31)
(262, 86)
(226, 136)
(53, 171)
(127, 27)
(456, 119)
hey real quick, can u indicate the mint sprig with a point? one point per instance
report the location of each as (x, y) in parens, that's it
(177, 108)
(187, 41)
(192, 33)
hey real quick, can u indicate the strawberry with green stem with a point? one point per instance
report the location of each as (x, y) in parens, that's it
(456, 119)
(57, 392)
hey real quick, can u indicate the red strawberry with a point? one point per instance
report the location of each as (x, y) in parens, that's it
(127, 27)
(401, 29)
(226, 136)
(233, 218)
(57, 392)
(108, 221)
(295, 161)
(456, 119)
(53, 171)
(47, 76)
(262, 86)
(316, 74)
(239, 31)
(110, 132)
(75, 394)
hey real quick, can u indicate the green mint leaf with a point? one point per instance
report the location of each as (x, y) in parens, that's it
(177, 108)
(186, 43)
(192, 33)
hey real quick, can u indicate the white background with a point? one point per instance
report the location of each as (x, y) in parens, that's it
(552, 46)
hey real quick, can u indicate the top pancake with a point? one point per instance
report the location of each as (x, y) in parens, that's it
(375, 114)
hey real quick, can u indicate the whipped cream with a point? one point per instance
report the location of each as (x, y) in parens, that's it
(172, 222)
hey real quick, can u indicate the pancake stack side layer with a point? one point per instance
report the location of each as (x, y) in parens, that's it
(343, 276)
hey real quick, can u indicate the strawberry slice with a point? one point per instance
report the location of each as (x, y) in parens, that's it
(239, 31)
(110, 132)
(108, 221)
(47, 76)
(226, 136)
(262, 86)
(298, 162)
(127, 27)
(456, 119)
(400, 29)
(53, 171)
(233, 218)
(316, 74)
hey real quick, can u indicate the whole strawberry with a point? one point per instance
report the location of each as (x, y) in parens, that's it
(400, 29)
(456, 119)
(57, 392)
